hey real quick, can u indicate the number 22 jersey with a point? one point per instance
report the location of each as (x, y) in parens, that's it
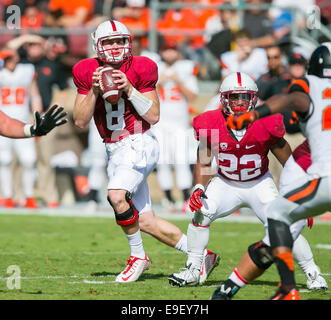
(243, 160)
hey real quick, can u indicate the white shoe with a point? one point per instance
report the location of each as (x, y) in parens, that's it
(134, 269)
(315, 281)
(188, 277)
(209, 262)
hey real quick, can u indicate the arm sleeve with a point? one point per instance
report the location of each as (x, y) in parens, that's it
(301, 85)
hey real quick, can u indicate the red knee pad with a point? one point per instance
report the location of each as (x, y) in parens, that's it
(128, 217)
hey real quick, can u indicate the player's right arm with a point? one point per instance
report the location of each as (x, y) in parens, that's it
(202, 172)
(85, 101)
(201, 176)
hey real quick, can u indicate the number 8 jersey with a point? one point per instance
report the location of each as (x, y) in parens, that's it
(243, 160)
(115, 122)
(15, 91)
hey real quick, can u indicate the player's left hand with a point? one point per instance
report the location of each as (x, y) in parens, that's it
(310, 222)
(122, 81)
(242, 121)
(48, 121)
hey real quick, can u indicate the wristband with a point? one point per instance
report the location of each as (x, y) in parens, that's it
(263, 111)
(27, 130)
(140, 102)
(198, 186)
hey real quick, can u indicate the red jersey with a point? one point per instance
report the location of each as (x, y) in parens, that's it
(302, 156)
(115, 122)
(243, 160)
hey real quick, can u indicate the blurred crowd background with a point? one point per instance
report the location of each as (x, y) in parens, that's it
(270, 40)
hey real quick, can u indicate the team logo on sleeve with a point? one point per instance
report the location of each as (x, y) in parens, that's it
(223, 146)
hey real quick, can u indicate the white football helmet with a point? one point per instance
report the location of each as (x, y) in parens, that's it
(238, 93)
(111, 29)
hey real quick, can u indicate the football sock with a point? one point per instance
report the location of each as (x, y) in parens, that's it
(182, 244)
(280, 236)
(303, 255)
(198, 238)
(136, 245)
(285, 266)
(237, 279)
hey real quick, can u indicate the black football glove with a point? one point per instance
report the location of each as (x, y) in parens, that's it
(48, 121)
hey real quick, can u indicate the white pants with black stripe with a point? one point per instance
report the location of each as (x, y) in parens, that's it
(306, 197)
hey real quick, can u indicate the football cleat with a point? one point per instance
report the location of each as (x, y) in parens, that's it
(282, 294)
(209, 262)
(189, 276)
(315, 281)
(133, 270)
(221, 294)
(31, 203)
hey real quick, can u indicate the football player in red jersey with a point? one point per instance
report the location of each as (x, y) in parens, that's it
(242, 180)
(132, 149)
(310, 98)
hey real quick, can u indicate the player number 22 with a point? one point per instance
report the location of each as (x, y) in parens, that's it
(244, 174)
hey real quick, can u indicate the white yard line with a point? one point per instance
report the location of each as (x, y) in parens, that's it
(81, 211)
(323, 246)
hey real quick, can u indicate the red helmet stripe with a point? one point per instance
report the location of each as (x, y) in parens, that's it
(239, 79)
(113, 25)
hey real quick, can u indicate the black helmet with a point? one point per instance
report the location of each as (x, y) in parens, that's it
(320, 61)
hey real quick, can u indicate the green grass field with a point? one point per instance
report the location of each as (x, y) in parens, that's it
(64, 258)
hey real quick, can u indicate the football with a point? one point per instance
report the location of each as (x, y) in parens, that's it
(109, 89)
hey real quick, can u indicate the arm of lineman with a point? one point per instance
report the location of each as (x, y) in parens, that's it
(13, 128)
(281, 150)
(146, 104)
(297, 101)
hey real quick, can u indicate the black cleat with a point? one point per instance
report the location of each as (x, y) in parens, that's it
(219, 294)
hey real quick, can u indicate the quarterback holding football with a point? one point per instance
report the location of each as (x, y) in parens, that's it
(118, 90)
